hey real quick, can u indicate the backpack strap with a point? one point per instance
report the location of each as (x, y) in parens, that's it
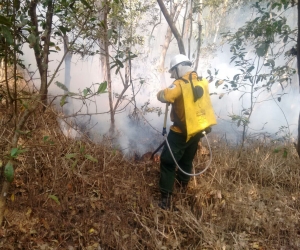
(198, 90)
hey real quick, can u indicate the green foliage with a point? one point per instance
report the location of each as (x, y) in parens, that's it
(79, 156)
(120, 58)
(240, 120)
(86, 93)
(268, 36)
(55, 198)
(9, 172)
(283, 151)
(46, 139)
(102, 88)
(63, 100)
(4, 21)
(9, 168)
(61, 86)
(15, 152)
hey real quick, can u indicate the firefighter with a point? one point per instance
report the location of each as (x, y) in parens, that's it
(191, 114)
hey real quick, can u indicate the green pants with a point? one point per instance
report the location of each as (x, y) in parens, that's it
(184, 153)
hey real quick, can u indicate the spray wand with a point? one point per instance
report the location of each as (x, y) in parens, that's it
(164, 132)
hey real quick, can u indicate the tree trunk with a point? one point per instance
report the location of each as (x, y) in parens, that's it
(199, 40)
(172, 26)
(191, 29)
(4, 192)
(298, 63)
(108, 76)
(42, 54)
(67, 82)
(298, 144)
(168, 37)
(174, 16)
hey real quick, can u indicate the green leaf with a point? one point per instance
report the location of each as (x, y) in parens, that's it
(102, 87)
(86, 4)
(85, 92)
(250, 69)
(285, 153)
(9, 172)
(91, 158)
(70, 156)
(63, 100)
(14, 152)
(209, 72)
(53, 197)
(262, 49)
(61, 86)
(74, 163)
(272, 62)
(7, 34)
(119, 63)
(82, 149)
(232, 59)
(5, 21)
(45, 138)
(31, 39)
(109, 33)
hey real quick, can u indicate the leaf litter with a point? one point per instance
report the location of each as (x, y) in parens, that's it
(247, 199)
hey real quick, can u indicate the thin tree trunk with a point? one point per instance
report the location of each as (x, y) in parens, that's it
(108, 76)
(42, 55)
(168, 37)
(199, 40)
(68, 59)
(172, 26)
(4, 192)
(298, 144)
(184, 17)
(298, 63)
(191, 29)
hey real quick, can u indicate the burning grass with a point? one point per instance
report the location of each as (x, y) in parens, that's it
(62, 198)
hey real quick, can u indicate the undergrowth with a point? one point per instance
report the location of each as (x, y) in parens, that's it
(75, 194)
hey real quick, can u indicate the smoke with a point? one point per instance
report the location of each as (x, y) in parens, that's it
(142, 133)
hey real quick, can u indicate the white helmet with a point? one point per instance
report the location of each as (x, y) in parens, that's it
(178, 59)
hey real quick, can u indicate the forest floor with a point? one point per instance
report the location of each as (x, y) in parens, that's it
(74, 194)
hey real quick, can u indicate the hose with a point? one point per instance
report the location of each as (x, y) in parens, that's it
(196, 174)
(164, 133)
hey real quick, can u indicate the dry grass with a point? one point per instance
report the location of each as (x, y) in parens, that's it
(247, 199)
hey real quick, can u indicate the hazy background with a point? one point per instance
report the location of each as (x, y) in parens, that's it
(144, 135)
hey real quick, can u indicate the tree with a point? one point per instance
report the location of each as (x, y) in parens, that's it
(172, 26)
(271, 39)
(298, 66)
(32, 23)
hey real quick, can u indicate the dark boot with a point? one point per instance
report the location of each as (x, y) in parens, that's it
(165, 202)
